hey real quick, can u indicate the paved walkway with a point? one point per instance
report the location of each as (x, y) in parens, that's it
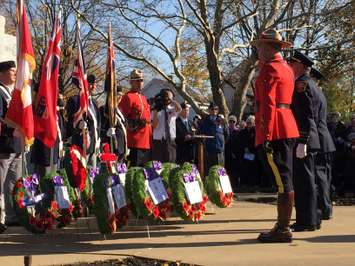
(224, 238)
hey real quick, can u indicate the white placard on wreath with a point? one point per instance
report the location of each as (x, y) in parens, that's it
(119, 196)
(157, 190)
(111, 204)
(122, 178)
(62, 197)
(225, 184)
(193, 192)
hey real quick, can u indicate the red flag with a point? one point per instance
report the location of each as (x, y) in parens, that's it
(45, 116)
(20, 113)
(79, 79)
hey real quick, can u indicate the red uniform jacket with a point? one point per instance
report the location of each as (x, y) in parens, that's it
(273, 94)
(134, 105)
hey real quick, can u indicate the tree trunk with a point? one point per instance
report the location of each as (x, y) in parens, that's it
(240, 100)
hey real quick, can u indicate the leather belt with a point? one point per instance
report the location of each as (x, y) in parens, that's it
(283, 105)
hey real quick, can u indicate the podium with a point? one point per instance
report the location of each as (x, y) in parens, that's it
(200, 139)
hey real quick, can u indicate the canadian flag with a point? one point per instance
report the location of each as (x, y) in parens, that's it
(45, 116)
(19, 113)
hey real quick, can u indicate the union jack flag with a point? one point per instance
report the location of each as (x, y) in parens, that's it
(79, 79)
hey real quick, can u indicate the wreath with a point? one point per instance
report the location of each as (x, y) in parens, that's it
(76, 168)
(48, 183)
(187, 173)
(108, 213)
(214, 187)
(128, 188)
(28, 207)
(140, 197)
(164, 171)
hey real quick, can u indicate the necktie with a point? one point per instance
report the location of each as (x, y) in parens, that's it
(167, 129)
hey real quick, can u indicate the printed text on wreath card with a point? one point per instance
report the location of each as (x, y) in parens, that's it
(157, 190)
(193, 192)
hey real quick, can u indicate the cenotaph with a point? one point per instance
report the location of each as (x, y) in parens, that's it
(7, 43)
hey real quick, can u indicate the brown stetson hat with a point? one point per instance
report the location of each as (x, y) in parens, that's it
(136, 74)
(272, 36)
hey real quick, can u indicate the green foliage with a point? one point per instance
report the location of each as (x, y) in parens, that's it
(213, 186)
(130, 175)
(100, 207)
(139, 194)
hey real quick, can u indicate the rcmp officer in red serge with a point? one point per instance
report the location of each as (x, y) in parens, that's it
(136, 110)
(276, 128)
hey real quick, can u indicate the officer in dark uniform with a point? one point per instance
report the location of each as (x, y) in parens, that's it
(92, 122)
(305, 106)
(323, 158)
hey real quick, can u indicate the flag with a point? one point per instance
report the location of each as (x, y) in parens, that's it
(19, 113)
(110, 82)
(45, 116)
(79, 80)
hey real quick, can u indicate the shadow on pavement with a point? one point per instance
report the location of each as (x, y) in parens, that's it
(330, 239)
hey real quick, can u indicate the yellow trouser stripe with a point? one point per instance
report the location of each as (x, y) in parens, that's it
(276, 173)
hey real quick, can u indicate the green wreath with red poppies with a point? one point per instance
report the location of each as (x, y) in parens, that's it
(27, 201)
(187, 173)
(108, 176)
(214, 189)
(140, 198)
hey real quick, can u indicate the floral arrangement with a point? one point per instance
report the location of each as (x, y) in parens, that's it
(140, 197)
(128, 188)
(185, 174)
(109, 216)
(214, 189)
(48, 183)
(26, 195)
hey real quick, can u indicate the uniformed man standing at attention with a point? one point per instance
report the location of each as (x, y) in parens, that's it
(323, 159)
(276, 128)
(305, 105)
(136, 110)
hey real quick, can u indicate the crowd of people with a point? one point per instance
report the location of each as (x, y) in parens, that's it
(287, 145)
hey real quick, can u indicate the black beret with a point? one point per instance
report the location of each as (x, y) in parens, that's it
(91, 79)
(6, 65)
(316, 74)
(302, 58)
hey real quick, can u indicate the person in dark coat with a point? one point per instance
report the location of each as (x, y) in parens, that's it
(185, 147)
(250, 167)
(305, 106)
(41, 154)
(213, 125)
(119, 135)
(91, 122)
(10, 148)
(230, 152)
(323, 160)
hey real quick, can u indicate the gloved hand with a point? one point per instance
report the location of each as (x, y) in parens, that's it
(82, 125)
(61, 149)
(111, 131)
(267, 147)
(301, 150)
